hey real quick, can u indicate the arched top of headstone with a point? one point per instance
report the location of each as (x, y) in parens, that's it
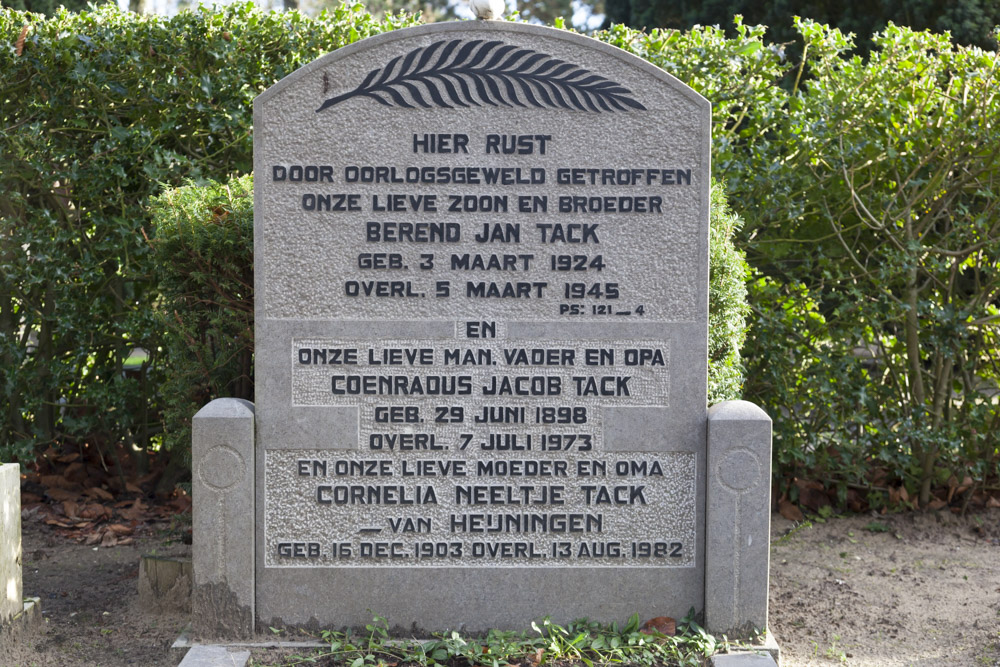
(495, 64)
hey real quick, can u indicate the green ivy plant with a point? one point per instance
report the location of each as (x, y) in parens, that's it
(549, 643)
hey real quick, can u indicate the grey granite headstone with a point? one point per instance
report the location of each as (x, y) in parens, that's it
(11, 602)
(481, 288)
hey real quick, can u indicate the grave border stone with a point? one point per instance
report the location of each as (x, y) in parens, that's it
(11, 590)
(222, 489)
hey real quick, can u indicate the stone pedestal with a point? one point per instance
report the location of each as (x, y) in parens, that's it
(738, 518)
(222, 603)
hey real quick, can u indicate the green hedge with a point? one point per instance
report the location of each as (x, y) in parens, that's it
(870, 192)
(204, 250)
(868, 189)
(99, 111)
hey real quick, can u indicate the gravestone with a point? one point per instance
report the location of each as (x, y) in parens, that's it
(481, 294)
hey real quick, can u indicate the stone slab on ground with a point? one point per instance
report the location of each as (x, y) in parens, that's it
(10, 542)
(214, 656)
(742, 660)
(766, 646)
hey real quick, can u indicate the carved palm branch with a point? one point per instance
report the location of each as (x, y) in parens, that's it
(465, 74)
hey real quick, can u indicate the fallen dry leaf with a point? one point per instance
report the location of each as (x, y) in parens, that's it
(69, 507)
(19, 44)
(790, 511)
(119, 529)
(137, 512)
(56, 482)
(993, 502)
(97, 493)
(855, 501)
(61, 494)
(95, 511)
(813, 498)
(936, 504)
(964, 486)
(808, 484)
(663, 625)
(76, 472)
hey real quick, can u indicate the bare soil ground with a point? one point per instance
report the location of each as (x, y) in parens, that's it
(90, 602)
(908, 589)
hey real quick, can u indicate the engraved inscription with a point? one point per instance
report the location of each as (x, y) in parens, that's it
(476, 508)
